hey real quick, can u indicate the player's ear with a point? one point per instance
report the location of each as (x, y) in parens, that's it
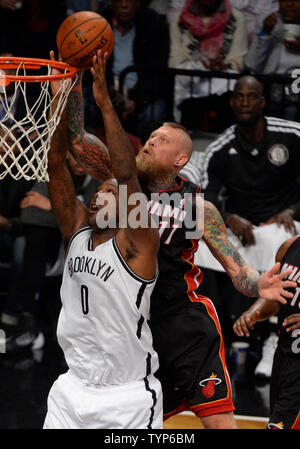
(181, 160)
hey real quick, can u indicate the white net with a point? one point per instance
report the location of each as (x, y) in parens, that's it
(27, 124)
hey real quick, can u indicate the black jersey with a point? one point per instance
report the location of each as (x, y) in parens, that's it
(261, 178)
(291, 260)
(178, 277)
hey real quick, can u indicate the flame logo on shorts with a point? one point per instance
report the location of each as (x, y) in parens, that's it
(278, 425)
(208, 385)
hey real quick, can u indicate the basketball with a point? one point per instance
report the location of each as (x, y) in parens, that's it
(80, 36)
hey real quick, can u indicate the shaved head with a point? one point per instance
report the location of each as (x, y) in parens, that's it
(187, 143)
(251, 82)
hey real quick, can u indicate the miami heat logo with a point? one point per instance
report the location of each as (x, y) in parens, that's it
(278, 425)
(208, 385)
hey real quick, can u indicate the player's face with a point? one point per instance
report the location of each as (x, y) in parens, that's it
(158, 156)
(247, 103)
(104, 207)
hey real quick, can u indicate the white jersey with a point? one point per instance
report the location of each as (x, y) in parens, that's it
(102, 327)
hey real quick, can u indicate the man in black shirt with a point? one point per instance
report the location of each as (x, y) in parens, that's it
(257, 161)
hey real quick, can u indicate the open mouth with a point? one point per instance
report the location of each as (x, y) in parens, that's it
(94, 208)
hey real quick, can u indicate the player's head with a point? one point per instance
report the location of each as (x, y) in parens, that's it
(166, 152)
(247, 100)
(103, 213)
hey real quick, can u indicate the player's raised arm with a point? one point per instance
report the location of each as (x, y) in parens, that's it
(69, 211)
(121, 152)
(271, 285)
(89, 151)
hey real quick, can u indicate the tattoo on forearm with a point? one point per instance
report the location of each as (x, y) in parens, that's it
(92, 156)
(245, 278)
(75, 114)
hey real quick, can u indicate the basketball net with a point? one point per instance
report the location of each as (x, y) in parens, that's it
(25, 141)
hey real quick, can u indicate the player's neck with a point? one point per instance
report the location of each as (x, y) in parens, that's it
(102, 236)
(165, 183)
(156, 185)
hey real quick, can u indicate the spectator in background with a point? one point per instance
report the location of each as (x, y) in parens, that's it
(85, 5)
(253, 10)
(257, 162)
(206, 35)
(174, 8)
(28, 27)
(141, 40)
(272, 51)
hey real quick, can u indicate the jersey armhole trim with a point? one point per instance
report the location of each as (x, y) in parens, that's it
(73, 237)
(127, 268)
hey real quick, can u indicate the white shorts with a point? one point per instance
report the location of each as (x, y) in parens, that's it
(74, 405)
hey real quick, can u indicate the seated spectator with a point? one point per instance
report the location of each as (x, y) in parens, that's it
(141, 40)
(256, 161)
(272, 53)
(253, 10)
(206, 35)
(28, 27)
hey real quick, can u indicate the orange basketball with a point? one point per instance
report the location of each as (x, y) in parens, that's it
(81, 35)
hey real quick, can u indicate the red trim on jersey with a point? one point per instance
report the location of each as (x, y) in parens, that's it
(296, 424)
(194, 276)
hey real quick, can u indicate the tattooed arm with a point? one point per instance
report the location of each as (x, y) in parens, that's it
(70, 213)
(90, 152)
(138, 242)
(245, 279)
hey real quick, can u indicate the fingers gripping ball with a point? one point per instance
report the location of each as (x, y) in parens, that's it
(92, 155)
(81, 35)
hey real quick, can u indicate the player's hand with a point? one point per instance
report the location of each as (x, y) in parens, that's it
(35, 199)
(242, 228)
(292, 322)
(56, 85)
(99, 85)
(272, 286)
(245, 322)
(92, 155)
